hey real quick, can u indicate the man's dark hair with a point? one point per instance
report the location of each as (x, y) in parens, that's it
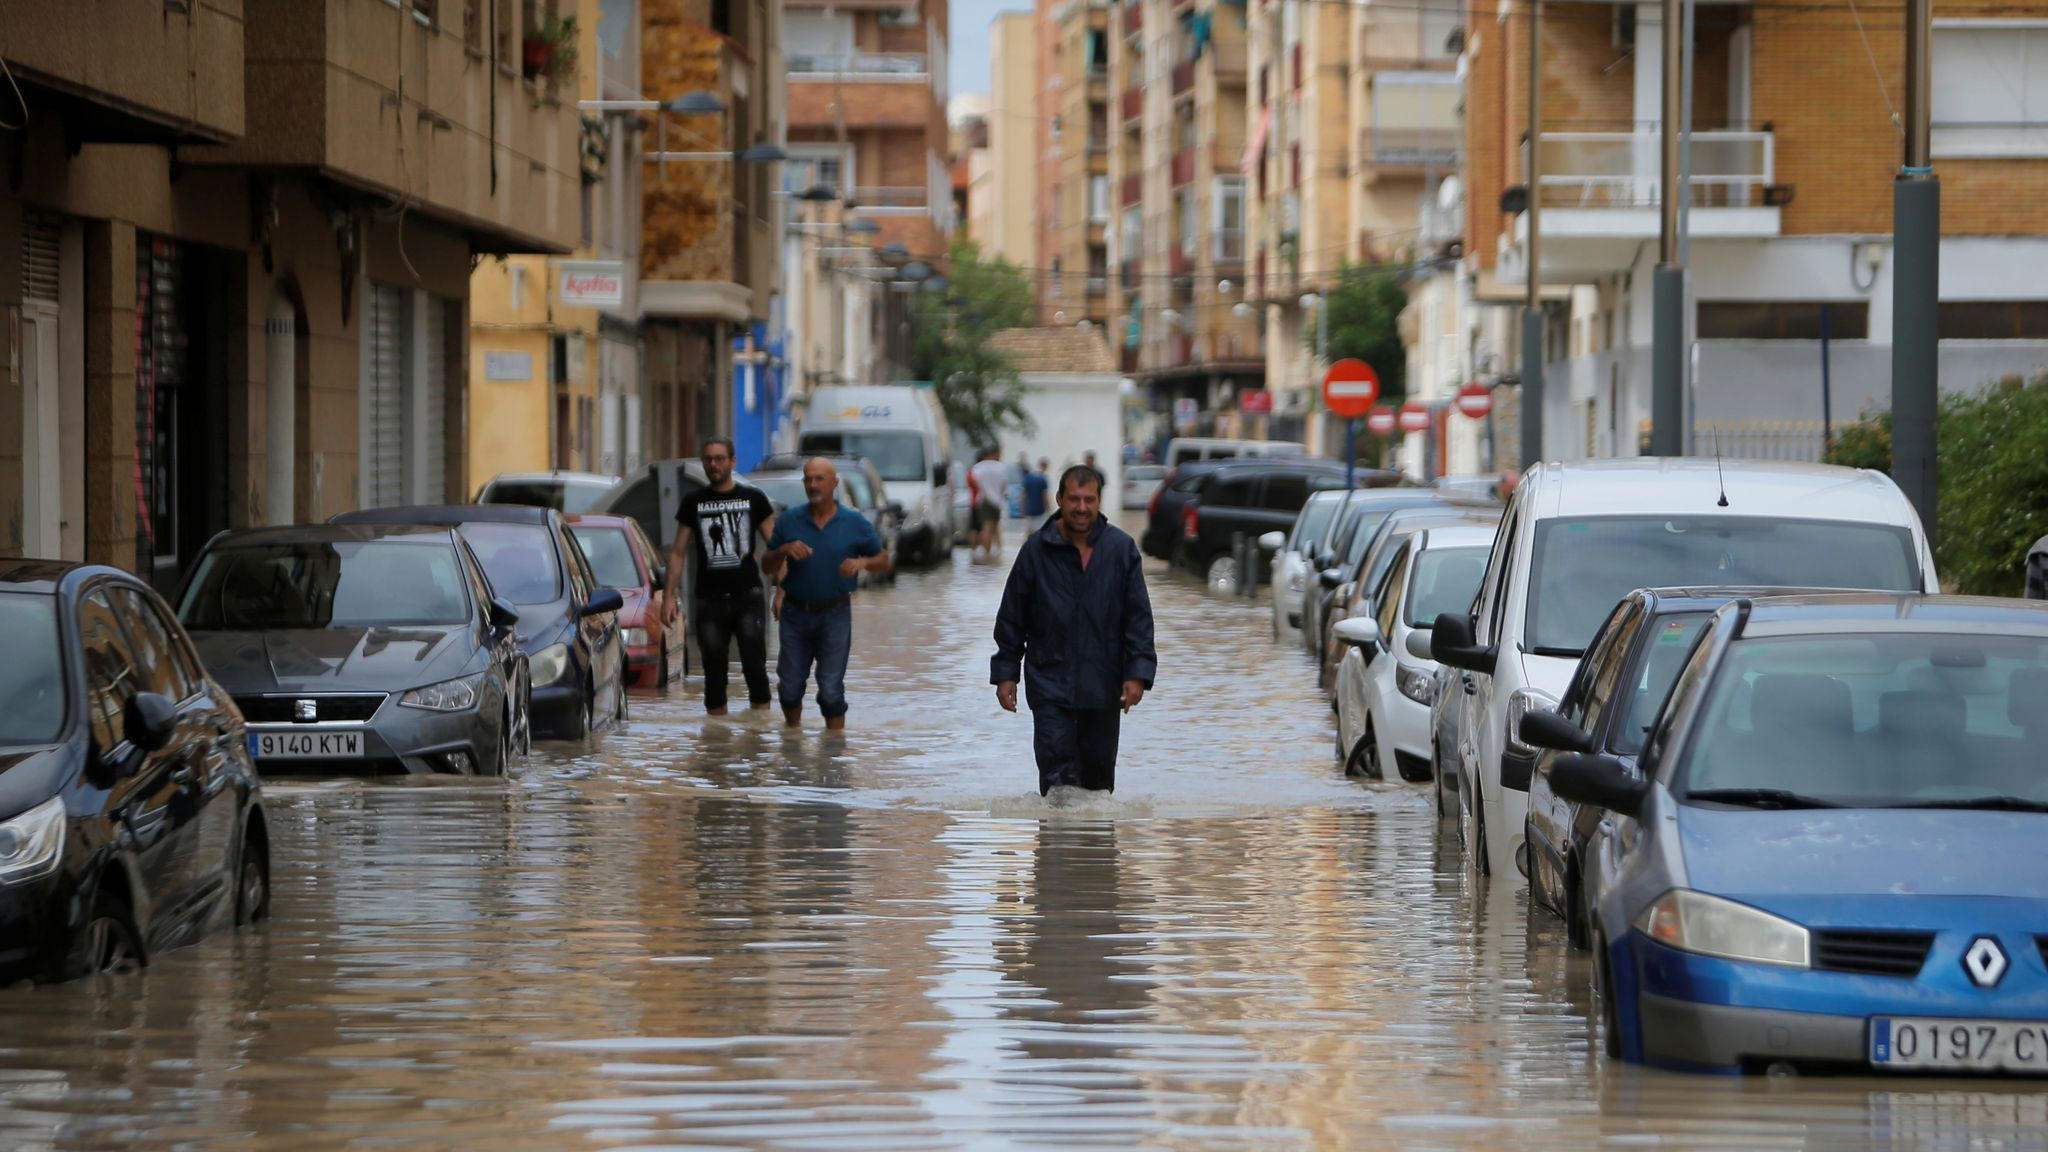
(725, 440)
(1080, 474)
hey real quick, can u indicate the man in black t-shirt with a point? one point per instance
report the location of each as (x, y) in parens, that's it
(722, 522)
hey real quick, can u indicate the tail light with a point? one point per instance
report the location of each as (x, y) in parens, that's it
(1191, 520)
(1165, 482)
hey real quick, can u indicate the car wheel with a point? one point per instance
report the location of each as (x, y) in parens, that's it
(661, 661)
(111, 942)
(1359, 763)
(1221, 572)
(501, 759)
(1475, 850)
(1603, 996)
(619, 713)
(1436, 778)
(522, 720)
(1574, 908)
(1368, 755)
(252, 886)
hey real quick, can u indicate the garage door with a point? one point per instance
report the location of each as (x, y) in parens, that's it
(383, 450)
(434, 423)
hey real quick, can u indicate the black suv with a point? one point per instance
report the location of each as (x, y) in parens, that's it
(1252, 498)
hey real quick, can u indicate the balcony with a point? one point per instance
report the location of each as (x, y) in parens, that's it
(1424, 36)
(1228, 61)
(137, 73)
(1601, 196)
(908, 67)
(1134, 17)
(1184, 168)
(1134, 189)
(875, 90)
(1183, 77)
(1133, 107)
(880, 200)
(1098, 287)
(1414, 121)
(1229, 247)
(1179, 262)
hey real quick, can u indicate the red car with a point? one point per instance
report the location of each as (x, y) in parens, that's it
(623, 558)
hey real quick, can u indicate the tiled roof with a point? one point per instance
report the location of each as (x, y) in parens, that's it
(1054, 350)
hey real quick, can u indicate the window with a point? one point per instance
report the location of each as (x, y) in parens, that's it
(159, 657)
(1098, 199)
(1189, 244)
(1445, 580)
(1231, 492)
(1285, 492)
(1387, 595)
(32, 684)
(1788, 320)
(1989, 91)
(1657, 669)
(109, 670)
(1994, 320)
(1229, 219)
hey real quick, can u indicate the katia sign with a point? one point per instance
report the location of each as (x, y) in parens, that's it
(593, 283)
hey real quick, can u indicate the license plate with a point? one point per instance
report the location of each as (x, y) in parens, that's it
(306, 745)
(1962, 1045)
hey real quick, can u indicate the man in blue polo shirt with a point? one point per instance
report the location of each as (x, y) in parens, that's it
(824, 547)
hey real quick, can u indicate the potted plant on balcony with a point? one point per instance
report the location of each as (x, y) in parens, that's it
(549, 50)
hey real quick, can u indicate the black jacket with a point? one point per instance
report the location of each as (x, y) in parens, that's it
(2037, 570)
(1079, 635)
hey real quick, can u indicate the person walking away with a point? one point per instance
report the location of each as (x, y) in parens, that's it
(991, 482)
(1076, 627)
(722, 521)
(1036, 485)
(2037, 570)
(819, 551)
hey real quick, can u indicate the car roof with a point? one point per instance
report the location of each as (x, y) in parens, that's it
(567, 477)
(598, 520)
(1438, 536)
(325, 533)
(1898, 612)
(447, 515)
(1779, 489)
(41, 576)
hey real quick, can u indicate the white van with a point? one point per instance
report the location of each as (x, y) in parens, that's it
(1183, 449)
(1576, 538)
(901, 429)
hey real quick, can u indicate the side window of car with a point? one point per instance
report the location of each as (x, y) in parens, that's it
(1230, 492)
(160, 660)
(1493, 593)
(1598, 654)
(641, 500)
(1600, 689)
(1284, 492)
(1682, 691)
(1327, 482)
(1387, 602)
(580, 582)
(479, 584)
(110, 673)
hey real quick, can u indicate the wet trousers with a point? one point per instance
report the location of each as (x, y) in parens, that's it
(1075, 746)
(821, 639)
(719, 623)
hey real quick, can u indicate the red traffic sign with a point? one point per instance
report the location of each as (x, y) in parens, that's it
(1351, 388)
(1380, 421)
(1475, 400)
(1414, 416)
(1256, 402)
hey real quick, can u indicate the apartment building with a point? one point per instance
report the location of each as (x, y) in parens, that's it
(1178, 74)
(1788, 200)
(1073, 169)
(235, 253)
(1003, 195)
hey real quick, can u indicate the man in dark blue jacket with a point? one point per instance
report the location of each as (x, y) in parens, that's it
(1076, 626)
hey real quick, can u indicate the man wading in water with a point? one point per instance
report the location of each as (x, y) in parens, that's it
(1076, 626)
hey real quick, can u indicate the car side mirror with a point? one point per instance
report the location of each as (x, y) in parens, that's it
(603, 600)
(1330, 577)
(503, 615)
(1325, 559)
(1418, 644)
(1451, 643)
(659, 575)
(1272, 541)
(1361, 632)
(1543, 728)
(1599, 781)
(150, 722)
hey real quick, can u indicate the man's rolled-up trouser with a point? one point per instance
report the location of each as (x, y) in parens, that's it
(1075, 746)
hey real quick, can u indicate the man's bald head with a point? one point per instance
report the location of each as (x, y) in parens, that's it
(821, 482)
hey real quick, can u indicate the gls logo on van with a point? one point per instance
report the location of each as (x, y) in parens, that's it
(871, 412)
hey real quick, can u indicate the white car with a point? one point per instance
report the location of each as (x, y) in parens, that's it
(1140, 482)
(1383, 691)
(1578, 537)
(1293, 553)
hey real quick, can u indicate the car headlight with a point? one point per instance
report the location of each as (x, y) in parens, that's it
(548, 664)
(1520, 704)
(447, 696)
(1415, 684)
(637, 637)
(1711, 926)
(31, 842)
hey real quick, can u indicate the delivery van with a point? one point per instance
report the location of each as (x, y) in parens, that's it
(901, 429)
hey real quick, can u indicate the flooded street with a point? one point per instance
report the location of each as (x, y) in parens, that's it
(706, 933)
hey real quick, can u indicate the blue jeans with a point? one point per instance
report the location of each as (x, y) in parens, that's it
(824, 638)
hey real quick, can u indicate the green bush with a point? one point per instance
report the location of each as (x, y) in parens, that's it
(1991, 463)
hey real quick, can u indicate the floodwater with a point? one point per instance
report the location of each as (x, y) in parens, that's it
(707, 934)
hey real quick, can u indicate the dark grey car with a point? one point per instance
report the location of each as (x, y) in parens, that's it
(361, 648)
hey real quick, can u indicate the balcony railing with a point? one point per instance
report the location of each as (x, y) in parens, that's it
(1133, 104)
(1419, 35)
(1415, 119)
(1134, 188)
(1098, 286)
(1183, 168)
(901, 197)
(1134, 17)
(1179, 262)
(1183, 77)
(1229, 62)
(1621, 169)
(875, 66)
(1229, 244)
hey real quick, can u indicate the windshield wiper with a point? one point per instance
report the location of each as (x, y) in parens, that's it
(1986, 803)
(1760, 798)
(1547, 650)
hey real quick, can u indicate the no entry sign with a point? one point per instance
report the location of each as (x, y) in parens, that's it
(1414, 416)
(1350, 388)
(1475, 400)
(1380, 421)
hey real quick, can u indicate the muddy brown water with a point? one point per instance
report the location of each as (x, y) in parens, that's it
(706, 934)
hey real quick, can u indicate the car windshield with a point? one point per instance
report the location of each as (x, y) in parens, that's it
(1444, 580)
(1582, 567)
(783, 489)
(896, 455)
(565, 496)
(518, 558)
(325, 584)
(1883, 719)
(32, 680)
(1315, 519)
(610, 555)
(1657, 669)
(853, 488)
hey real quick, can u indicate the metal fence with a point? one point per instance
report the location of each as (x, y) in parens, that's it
(1760, 439)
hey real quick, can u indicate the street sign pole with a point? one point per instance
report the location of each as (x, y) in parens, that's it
(1351, 453)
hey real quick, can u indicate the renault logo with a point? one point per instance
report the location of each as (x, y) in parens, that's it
(1985, 961)
(305, 711)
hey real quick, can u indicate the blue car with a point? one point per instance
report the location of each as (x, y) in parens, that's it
(1835, 852)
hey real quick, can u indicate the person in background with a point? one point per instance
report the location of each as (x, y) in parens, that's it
(990, 481)
(2037, 570)
(819, 552)
(1033, 502)
(1088, 461)
(722, 522)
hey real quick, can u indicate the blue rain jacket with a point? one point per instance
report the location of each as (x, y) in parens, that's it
(1075, 636)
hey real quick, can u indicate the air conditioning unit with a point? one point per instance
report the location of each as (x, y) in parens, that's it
(1622, 28)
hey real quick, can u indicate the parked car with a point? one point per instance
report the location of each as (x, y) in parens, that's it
(566, 492)
(1249, 499)
(653, 496)
(1140, 482)
(1351, 535)
(623, 558)
(131, 813)
(1356, 594)
(1578, 537)
(1291, 552)
(361, 648)
(1163, 526)
(904, 431)
(1188, 449)
(860, 488)
(1614, 696)
(1383, 692)
(568, 622)
(1834, 852)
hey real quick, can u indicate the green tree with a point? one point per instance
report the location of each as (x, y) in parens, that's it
(977, 386)
(1365, 310)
